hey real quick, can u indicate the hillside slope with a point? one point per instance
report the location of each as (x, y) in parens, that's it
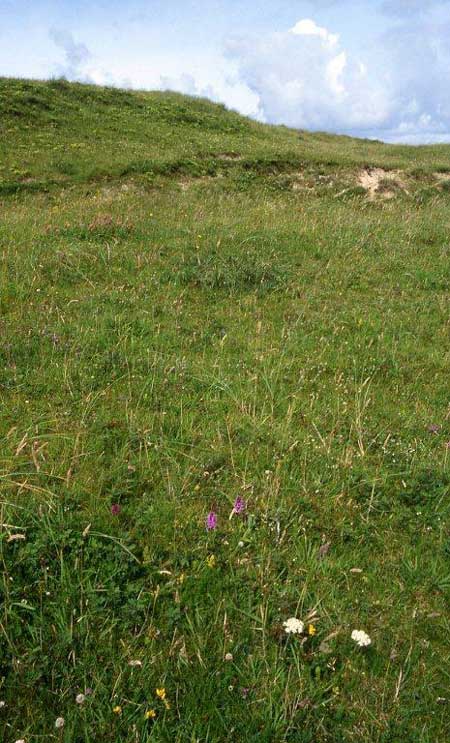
(224, 404)
(58, 132)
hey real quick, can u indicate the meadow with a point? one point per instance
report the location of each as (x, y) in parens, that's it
(224, 405)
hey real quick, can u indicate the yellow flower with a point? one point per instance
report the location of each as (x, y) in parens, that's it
(117, 710)
(181, 578)
(161, 693)
(211, 561)
(311, 630)
(150, 714)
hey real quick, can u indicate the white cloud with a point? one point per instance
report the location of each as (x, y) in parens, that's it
(304, 78)
(307, 27)
(335, 70)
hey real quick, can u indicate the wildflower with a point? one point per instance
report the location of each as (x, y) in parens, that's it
(117, 709)
(229, 657)
(211, 521)
(245, 692)
(434, 428)
(211, 561)
(293, 626)
(59, 723)
(2, 704)
(161, 693)
(239, 506)
(361, 638)
(150, 714)
(135, 663)
(311, 630)
(80, 698)
(115, 509)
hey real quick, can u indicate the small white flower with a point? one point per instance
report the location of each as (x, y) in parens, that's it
(293, 626)
(361, 638)
(80, 698)
(135, 663)
(59, 723)
(229, 657)
(2, 704)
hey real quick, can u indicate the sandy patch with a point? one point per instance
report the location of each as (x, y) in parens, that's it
(442, 177)
(376, 182)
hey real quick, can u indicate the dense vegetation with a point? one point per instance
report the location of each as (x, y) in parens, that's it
(203, 315)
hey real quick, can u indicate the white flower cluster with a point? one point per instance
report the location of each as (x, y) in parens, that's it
(293, 626)
(361, 638)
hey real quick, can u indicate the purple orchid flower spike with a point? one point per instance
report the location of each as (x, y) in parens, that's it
(239, 506)
(211, 521)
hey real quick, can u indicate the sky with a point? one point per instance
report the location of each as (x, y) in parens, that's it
(369, 68)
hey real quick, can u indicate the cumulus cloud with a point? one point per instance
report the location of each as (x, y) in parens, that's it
(307, 27)
(305, 77)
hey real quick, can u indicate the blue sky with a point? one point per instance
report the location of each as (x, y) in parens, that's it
(378, 68)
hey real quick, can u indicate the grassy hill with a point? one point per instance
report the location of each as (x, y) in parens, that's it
(58, 133)
(196, 308)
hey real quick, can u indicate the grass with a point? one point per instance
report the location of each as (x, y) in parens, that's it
(196, 307)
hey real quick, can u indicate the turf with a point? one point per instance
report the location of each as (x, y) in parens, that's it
(194, 308)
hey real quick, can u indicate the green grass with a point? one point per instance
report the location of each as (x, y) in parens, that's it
(196, 307)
